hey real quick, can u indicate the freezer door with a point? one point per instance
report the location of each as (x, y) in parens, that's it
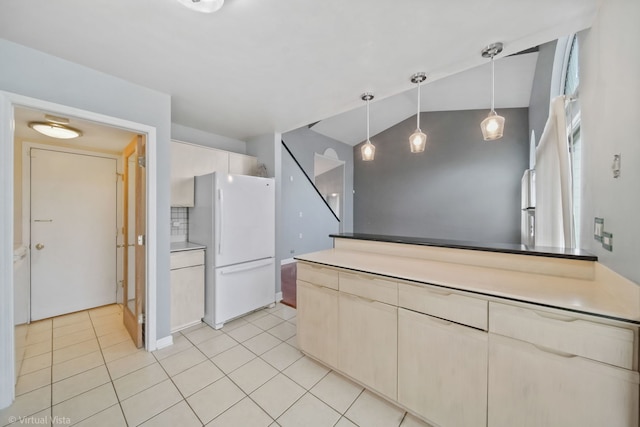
(244, 219)
(242, 288)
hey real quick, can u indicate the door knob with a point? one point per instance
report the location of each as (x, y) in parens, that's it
(39, 246)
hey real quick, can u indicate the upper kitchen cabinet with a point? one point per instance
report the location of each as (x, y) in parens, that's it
(188, 161)
(241, 164)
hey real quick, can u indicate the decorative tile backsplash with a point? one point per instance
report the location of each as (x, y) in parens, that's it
(179, 224)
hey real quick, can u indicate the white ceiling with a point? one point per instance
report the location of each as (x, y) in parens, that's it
(94, 137)
(259, 66)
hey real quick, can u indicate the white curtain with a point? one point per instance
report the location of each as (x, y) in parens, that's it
(554, 207)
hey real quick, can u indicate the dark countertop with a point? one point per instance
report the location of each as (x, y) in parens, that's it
(186, 246)
(509, 248)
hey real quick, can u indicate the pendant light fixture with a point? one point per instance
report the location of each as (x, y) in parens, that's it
(368, 149)
(418, 139)
(493, 126)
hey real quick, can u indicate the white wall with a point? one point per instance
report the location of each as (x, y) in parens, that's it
(208, 139)
(610, 102)
(35, 74)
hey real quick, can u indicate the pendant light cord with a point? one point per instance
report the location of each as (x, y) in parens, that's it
(367, 120)
(492, 84)
(418, 108)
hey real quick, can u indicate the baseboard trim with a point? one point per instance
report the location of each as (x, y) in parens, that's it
(278, 296)
(164, 342)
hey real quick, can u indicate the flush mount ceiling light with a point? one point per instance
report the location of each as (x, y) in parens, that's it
(204, 6)
(493, 125)
(418, 139)
(55, 127)
(368, 149)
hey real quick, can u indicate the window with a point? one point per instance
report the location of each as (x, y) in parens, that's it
(570, 86)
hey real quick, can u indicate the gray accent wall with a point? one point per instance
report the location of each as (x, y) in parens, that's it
(461, 187)
(31, 73)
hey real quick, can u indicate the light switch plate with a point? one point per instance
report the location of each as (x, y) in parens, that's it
(607, 241)
(598, 228)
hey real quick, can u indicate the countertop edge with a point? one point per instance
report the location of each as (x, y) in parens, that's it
(573, 254)
(476, 290)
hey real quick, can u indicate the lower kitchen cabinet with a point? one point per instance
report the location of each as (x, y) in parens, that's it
(442, 370)
(187, 288)
(534, 386)
(367, 343)
(317, 320)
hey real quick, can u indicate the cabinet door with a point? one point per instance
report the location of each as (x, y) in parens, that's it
(368, 343)
(442, 370)
(317, 322)
(188, 161)
(240, 164)
(533, 386)
(187, 296)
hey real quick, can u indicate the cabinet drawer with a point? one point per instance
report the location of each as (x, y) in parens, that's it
(444, 304)
(318, 275)
(560, 331)
(369, 287)
(186, 259)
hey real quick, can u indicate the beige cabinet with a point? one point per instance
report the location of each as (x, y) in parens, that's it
(241, 164)
(367, 343)
(187, 288)
(317, 321)
(530, 385)
(442, 370)
(188, 161)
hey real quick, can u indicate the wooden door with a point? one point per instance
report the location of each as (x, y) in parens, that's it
(73, 232)
(134, 230)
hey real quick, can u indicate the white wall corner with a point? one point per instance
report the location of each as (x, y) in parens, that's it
(278, 296)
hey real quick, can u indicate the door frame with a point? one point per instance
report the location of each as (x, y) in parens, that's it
(26, 193)
(8, 101)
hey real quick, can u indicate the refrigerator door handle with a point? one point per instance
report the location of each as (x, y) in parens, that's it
(251, 266)
(220, 221)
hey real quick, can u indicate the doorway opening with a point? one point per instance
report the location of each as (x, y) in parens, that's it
(15, 111)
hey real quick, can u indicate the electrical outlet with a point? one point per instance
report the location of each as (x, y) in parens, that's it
(598, 228)
(300, 236)
(607, 241)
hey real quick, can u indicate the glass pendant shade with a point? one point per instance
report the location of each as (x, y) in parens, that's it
(418, 141)
(492, 127)
(368, 151)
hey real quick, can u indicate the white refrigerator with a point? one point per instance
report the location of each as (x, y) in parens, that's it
(234, 216)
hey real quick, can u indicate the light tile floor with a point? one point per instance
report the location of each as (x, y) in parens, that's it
(82, 369)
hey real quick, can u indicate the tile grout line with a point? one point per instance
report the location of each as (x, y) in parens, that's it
(109, 373)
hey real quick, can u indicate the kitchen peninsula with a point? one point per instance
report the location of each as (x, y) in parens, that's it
(465, 334)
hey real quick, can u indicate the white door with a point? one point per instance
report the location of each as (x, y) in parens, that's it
(73, 232)
(245, 219)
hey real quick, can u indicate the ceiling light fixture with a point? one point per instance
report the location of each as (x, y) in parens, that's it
(493, 126)
(368, 149)
(418, 139)
(55, 129)
(203, 6)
